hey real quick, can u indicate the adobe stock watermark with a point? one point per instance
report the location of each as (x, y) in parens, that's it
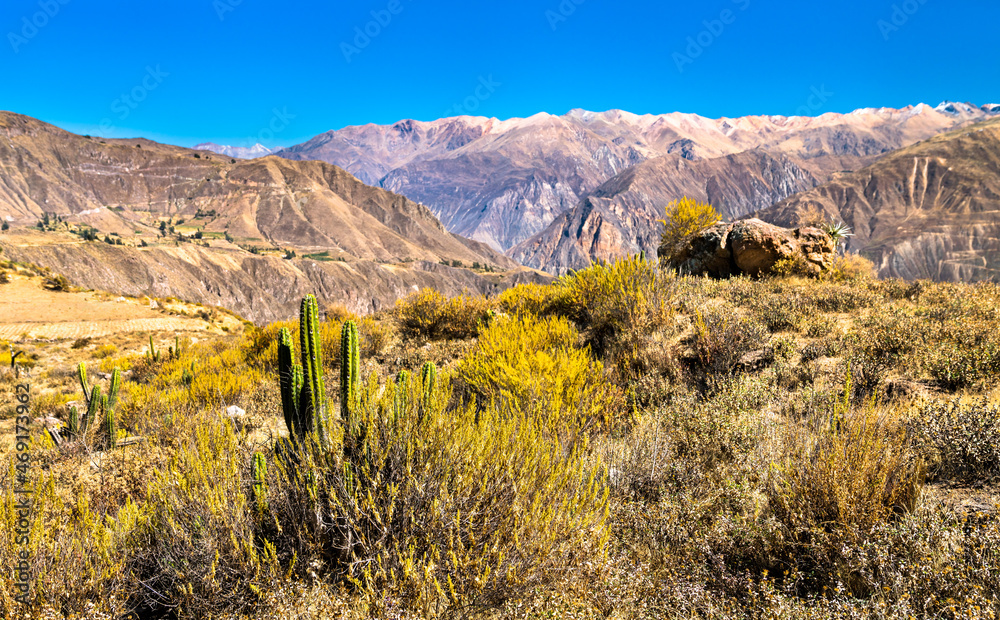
(562, 13)
(815, 102)
(31, 25)
(127, 102)
(487, 86)
(363, 35)
(280, 120)
(901, 14)
(225, 6)
(697, 44)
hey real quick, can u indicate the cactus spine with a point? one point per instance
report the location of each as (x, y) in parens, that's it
(350, 361)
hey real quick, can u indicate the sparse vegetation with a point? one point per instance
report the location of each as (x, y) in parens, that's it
(625, 442)
(685, 218)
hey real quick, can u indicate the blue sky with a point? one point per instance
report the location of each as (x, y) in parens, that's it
(241, 71)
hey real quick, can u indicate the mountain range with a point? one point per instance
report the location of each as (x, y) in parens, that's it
(503, 182)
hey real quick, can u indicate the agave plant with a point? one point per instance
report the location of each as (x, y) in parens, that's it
(838, 232)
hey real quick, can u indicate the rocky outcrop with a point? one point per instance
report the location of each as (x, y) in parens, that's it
(750, 247)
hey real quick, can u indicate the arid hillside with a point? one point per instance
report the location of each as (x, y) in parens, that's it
(261, 288)
(931, 210)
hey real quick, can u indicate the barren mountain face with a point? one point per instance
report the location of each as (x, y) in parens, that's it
(386, 244)
(501, 182)
(619, 218)
(931, 210)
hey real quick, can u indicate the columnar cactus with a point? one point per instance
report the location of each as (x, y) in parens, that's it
(93, 406)
(428, 381)
(303, 394)
(74, 422)
(350, 361)
(260, 480)
(153, 355)
(402, 394)
(82, 374)
(110, 426)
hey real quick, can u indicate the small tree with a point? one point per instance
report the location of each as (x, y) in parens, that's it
(5, 225)
(685, 218)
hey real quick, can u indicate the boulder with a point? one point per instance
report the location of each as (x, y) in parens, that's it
(752, 247)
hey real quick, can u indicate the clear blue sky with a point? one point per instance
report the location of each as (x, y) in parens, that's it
(219, 69)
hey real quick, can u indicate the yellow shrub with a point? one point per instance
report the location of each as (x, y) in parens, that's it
(105, 350)
(528, 363)
(685, 217)
(430, 314)
(851, 267)
(537, 299)
(618, 303)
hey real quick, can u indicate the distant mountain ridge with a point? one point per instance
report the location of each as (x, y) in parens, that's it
(239, 152)
(931, 210)
(503, 181)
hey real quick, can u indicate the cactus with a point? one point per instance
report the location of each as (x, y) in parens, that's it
(187, 377)
(312, 402)
(116, 382)
(286, 381)
(110, 427)
(350, 359)
(93, 406)
(428, 381)
(74, 422)
(260, 480)
(82, 374)
(402, 394)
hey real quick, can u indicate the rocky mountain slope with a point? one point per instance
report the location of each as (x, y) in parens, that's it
(619, 217)
(501, 182)
(931, 210)
(369, 245)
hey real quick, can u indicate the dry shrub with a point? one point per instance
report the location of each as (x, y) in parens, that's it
(684, 219)
(201, 553)
(722, 337)
(851, 268)
(338, 313)
(105, 350)
(962, 441)
(532, 364)
(374, 337)
(842, 474)
(429, 314)
(441, 512)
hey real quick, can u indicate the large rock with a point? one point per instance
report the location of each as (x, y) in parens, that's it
(751, 247)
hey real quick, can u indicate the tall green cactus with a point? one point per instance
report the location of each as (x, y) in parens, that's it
(303, 393)
(110, 425)
(260, 480)
(116, 382)
(81, 371)
(350, 374)
(286, 381)
(93, 407)
(402, 394)
(428, 382)
(312, 402)
(74, 422)
(153, 355)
